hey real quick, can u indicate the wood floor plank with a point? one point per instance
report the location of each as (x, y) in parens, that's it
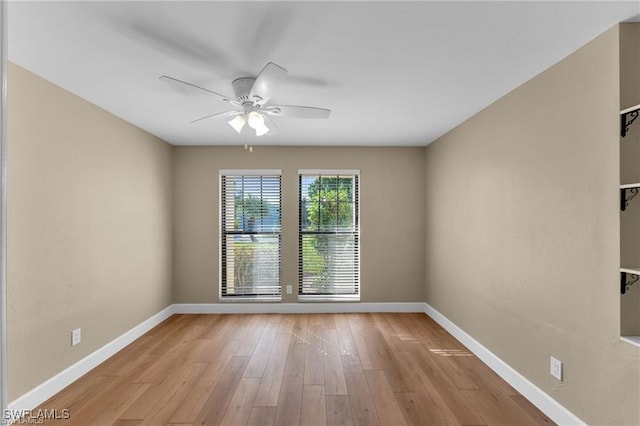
(386, 405)
(287, 325)
(80, 393)
(269, 389)
(223, 329)
(359, 322)
(314, 358)
(240, 406)
(128, 422)
(365, 350)
(254, 333)
(416, 410)
(425, 395)
(499, 406)
(453, 398)
(172, 358)
(328, 321)
(449, 359)
(476, 369)
(242, 326)
(89, 404)
(197, 396)
(526, 406)
(203, 350)
(262, 416)
(114, 365)
(220, 397)
(363, 408)
(188, 328)
(258, 362)
(483, 401)
(387, 331)
(314, 410)
(290, 398)
(334, 381)
(110, 412)
(300, 327)
(317, 321)
(143, 406)
(338, 410)
(345, 338)
(372, 349)
(172, 400)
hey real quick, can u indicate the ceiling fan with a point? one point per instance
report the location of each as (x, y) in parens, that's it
(251, 100)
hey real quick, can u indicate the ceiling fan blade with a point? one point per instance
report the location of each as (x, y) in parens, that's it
(269, 79)
(295, 111)
(184, 84)
(224, 114)
(269, 23)
(178, 43)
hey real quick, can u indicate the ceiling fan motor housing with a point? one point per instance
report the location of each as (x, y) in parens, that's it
(242, 88)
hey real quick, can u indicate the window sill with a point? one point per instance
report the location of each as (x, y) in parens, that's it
(339, 299)
(634, 340)
(245, 299)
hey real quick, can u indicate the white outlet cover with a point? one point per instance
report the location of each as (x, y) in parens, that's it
(556, 368)
(289, 289)
(76, 336)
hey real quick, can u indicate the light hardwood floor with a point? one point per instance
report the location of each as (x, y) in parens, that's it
(319, 369)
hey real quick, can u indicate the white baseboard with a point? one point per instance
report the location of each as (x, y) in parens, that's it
(46, 390)
(293, 308)
(549, 406)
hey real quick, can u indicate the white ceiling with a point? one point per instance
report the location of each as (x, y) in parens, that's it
(393, 73)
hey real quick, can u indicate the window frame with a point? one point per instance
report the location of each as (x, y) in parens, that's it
(329, 297)
(223, 233)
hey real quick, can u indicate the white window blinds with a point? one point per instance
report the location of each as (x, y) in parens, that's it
(329, 234)
(250, 234)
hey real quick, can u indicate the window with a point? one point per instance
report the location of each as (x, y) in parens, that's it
(328, 246)
(250, 234)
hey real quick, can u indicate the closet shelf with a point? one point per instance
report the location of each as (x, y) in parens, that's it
(628, 277)
(627, 117)
(634, 340)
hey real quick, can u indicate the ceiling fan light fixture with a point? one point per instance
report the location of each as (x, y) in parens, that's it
(237, 123)
(262, 130)
(256, 122)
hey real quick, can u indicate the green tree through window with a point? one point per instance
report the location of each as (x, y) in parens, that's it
(328, 235)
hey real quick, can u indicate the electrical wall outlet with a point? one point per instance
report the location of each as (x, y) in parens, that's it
(76, 336)
(556, 368)
(289, 289)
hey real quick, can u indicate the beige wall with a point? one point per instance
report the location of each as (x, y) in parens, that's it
(522, 233)
(89, 237)
(391, 206)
